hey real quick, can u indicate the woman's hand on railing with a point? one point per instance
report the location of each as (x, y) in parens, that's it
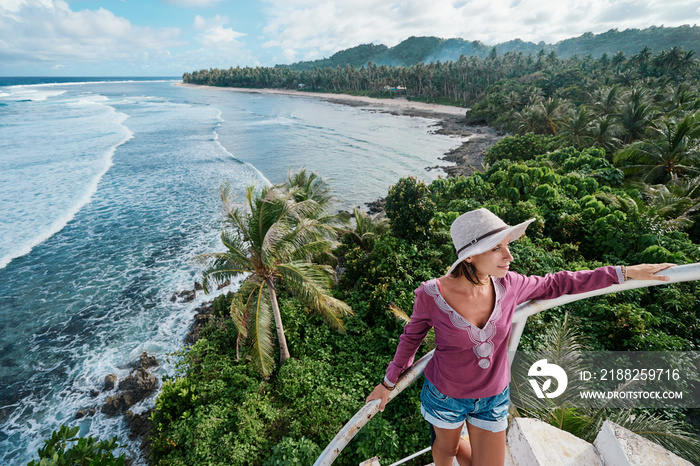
(647, 271)
(380, 392)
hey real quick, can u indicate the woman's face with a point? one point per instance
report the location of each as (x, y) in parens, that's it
(494, 262)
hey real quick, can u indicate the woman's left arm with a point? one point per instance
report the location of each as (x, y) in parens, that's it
(648, 271)
(565, 282)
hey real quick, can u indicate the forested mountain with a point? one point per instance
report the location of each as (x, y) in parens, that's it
(431, 49)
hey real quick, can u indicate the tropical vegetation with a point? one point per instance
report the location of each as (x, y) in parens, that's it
(603, 152)
(66, 448)
(220, 409)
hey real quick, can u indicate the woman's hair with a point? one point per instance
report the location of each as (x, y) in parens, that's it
(467, 270)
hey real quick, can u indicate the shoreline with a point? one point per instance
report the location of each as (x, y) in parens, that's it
(465, 159)
(401, 105)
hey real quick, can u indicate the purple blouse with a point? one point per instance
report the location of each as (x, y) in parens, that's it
(472, 362)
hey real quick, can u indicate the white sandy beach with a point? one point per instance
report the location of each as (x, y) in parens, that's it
(398, 105)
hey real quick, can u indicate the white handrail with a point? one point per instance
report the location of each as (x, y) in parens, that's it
(682, 273)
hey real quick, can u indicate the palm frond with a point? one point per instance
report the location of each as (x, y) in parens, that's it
(261, 341)
(399, 313)
(310, 283)
(220, 270)
(309, 186)
(403, 317)
(668, 433)
(239, 312)
(224, 266)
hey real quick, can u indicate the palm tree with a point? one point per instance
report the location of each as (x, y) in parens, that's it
(307, 185)
(676, 203)
(618, 60)
(577, 129)
(636, 115)
(551, 110)
(605, 101)
(271, 239)
(643, 57)
(671, 152)
(604, 134)
(367, 228)
(304, 186)
(528, 120)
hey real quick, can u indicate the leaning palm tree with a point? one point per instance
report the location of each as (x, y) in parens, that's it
(272, 239)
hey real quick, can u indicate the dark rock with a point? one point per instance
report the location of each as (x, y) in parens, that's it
(376, 207)
(202, 318)
(94, 393)
(147, 361)
(141, 382)
(116, 404)
(110, 380)
(224, 284)
(92, 411)
(184, 296)
(81, 414)
(135, 387)
(140, 427)
(198, 286)
(139, 424)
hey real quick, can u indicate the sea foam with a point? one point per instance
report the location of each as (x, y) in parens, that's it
(22, 242)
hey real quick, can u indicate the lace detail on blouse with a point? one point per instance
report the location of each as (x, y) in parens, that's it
(481, 337)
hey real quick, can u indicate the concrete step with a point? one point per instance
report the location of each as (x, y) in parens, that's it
(621, 447)
(535, 443)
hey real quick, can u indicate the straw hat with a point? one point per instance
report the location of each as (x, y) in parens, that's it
(480, 230)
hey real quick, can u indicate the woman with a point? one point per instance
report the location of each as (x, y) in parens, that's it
(471, 309)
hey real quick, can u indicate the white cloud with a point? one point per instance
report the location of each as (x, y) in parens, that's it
(193, 3)
(297, 26)
(214, 34)
(48, 33)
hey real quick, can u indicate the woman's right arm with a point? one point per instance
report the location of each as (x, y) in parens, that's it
(413, 334)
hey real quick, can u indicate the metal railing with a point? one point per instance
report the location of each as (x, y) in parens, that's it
(682, 273)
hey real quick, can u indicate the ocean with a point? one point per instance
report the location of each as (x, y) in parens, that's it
(109, 188)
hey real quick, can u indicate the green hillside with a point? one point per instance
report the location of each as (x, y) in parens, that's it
(431, 49)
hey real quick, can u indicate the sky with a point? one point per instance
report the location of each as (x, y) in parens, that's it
(171, 37)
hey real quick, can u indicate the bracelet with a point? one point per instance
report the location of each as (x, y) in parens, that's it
(387, 386)
(624, 272)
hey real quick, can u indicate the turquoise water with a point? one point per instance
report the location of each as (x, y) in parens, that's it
(107, 191)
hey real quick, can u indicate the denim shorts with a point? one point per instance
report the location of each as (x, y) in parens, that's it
(490, 413)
